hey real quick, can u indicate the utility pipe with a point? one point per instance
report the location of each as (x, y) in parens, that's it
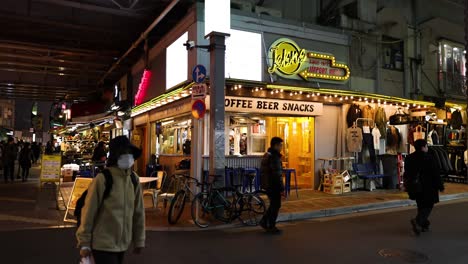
(142, 37)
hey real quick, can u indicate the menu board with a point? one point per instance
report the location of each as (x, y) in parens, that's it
(79, 187)
(51, 165)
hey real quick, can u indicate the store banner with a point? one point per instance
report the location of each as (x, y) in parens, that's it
(270, 106)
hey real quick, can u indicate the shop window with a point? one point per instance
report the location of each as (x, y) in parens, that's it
(392, 53)
(252, 135)
(452, 67)
(174, 137)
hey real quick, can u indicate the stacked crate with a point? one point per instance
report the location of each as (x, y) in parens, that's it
(335, 183)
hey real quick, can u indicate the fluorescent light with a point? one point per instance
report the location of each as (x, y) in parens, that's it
(217, 16)
(237, 49)
(176, 62)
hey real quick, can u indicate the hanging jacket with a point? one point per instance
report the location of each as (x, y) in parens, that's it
(381, 121)
(393, 140)
(368, 112)
(457, 120)
(354, 113)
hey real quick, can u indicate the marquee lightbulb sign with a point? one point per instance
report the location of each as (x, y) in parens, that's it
(143, 87)
(289, 61)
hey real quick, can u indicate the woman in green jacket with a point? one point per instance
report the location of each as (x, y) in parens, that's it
(110, 224)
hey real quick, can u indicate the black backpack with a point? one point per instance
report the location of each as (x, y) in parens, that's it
(108, 187)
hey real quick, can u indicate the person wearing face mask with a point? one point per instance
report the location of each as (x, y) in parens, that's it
(109, 225)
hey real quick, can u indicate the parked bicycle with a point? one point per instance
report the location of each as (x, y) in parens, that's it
(226, 204)
(181, 197)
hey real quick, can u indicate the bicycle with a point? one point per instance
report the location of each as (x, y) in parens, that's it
(246, 207)
(180, 199)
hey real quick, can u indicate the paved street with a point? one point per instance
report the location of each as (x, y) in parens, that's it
(355, 239)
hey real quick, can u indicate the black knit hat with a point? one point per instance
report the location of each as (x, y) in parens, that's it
(122, 143)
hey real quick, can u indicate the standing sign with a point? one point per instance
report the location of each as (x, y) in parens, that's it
(51, 165)
(79, 187)
(198, 109)
(199, 91)
(199, 73)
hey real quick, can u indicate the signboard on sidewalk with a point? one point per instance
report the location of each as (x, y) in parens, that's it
(50, 171)
(79, 187)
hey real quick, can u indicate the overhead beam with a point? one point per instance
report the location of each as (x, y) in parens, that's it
(91, 77)
(51, 49)
(60, 24)
(65, 70)
(94, 8)
(52, 59)
(30, 85)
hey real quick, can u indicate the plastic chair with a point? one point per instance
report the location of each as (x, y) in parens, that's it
(247, 181)
(287, 179)
(160, 175)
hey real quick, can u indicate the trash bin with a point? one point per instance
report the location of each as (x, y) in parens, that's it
(390, 170)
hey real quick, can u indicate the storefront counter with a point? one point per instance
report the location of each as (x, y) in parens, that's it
(234, 161)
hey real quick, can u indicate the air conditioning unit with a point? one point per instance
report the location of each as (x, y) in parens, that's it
(241, 5)
(268, 11)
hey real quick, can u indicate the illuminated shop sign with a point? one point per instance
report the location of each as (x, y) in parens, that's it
(144, 84)
(288, 60)
(270, 106)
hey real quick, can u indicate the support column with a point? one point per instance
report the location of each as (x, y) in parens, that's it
(197, 150)
(217, 94)
(466, 57)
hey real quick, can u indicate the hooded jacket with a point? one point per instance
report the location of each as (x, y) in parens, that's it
(114, 223)
(271, 171)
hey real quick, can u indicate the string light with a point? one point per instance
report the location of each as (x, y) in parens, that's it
(272, 92)
(341, 98)
(360, 99)
(291, 94)
(346, 98)
(276, 91)
(300, 92)
(318, 94)
(385, 102)
(352, 97)
(308, 95)
(336, 95)
(281, 90)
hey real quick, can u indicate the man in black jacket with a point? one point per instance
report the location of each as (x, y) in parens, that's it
(10, 153)
(423, 183)
(272, 182)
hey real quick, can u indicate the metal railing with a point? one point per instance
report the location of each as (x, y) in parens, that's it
(452, 83)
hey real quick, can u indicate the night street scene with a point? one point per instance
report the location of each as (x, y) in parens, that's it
(233, 131)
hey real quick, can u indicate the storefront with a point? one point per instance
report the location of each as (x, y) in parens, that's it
(301, 92)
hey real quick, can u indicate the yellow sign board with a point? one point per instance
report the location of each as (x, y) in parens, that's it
(288, 60)
(79, 187)
(50, 171)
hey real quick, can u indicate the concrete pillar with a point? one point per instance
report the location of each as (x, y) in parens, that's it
(217, 94)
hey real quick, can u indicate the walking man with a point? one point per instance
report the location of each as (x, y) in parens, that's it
(10, 154)
(272, 182)
(110, 223)
(422, 182)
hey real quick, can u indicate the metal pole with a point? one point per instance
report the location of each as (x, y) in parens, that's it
(466, 59)
(217, 82)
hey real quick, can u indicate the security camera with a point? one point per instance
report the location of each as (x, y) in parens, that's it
(190, 44)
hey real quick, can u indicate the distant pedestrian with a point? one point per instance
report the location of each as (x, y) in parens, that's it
(422, 182)
(36, 151)
(10, 153)
(25, 160)
(271, 180)
(49, 150)
(100, 154)
(110, 223)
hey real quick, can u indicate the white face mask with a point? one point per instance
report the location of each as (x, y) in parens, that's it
(125, 161)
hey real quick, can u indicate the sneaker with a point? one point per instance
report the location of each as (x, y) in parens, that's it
(415, 226)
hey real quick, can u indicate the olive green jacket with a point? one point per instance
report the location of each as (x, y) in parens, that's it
(114, 223)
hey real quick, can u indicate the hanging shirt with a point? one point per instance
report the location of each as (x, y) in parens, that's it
(354, 139)
(376, 135)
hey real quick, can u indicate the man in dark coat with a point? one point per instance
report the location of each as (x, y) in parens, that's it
(423, 183)
(272, 182)
(10, 153)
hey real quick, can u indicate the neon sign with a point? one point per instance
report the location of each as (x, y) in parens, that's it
(289, 61)
(143, 87)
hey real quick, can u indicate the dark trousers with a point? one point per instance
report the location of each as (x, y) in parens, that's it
(368, 142)
(424, 211)
(272, 212)
(9, 171)
(25, 173)
(105, 257)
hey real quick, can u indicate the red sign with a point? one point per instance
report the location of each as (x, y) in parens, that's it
(198, 109)
(144, 84)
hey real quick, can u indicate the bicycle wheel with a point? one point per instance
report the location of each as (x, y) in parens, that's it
(201, 213)
(177, 207)
(251, 209)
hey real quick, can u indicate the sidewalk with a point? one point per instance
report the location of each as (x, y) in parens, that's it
(22, 205)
